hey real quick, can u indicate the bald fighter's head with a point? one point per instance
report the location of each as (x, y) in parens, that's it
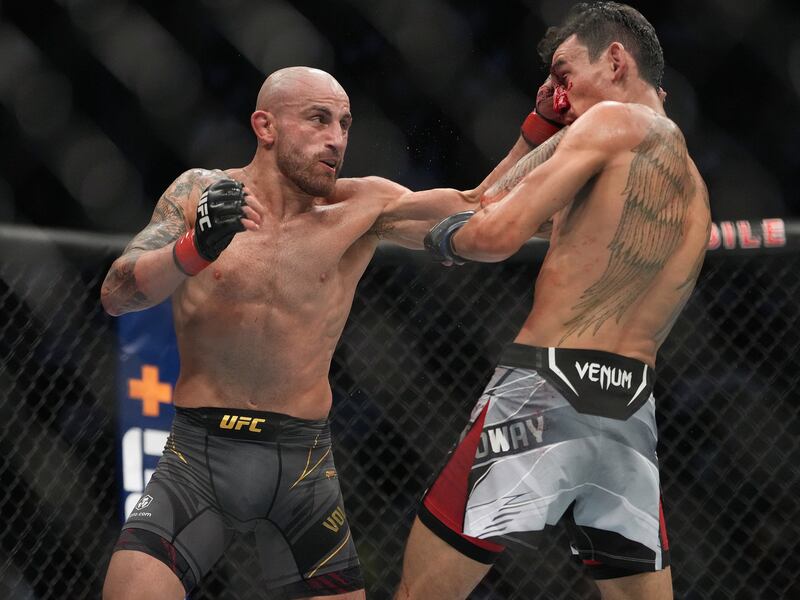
(303, 115)
(284, 84)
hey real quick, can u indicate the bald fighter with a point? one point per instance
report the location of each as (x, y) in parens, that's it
(566, 430)
(261, 263)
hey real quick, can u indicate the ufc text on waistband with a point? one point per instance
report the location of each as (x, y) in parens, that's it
(236, 423)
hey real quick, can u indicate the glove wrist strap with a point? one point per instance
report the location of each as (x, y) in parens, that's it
(439, 240)
(451, 252)
(537, 129)
(186, 256)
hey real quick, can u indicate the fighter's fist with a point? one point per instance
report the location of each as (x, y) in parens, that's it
(546, 119)
(222, 212)
(219, 217)
(546, 105)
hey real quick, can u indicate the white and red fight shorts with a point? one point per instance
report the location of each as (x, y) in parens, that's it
(557, 434)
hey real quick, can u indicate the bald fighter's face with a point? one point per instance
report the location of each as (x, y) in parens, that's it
(584, 83)
(313, 127)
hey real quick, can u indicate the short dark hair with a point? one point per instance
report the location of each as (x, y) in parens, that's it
(599, 24)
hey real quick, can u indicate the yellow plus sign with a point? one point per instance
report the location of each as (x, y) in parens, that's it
(150, 391)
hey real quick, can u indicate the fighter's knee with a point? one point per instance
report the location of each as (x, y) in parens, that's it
(112, 588)
(134, 575)
(655, 585)
(115, 589)
(112, 591)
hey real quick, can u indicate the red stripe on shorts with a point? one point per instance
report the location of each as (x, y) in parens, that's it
(662, 526)
(447, 498)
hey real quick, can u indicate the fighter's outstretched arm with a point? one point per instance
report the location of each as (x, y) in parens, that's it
(500, 230)
(165, 252)
(538, 127)
(407, 218)
(518, 151)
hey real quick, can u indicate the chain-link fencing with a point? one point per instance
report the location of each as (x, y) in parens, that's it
(420, 345)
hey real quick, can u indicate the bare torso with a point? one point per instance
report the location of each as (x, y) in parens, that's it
(257, 329)
(625, 253)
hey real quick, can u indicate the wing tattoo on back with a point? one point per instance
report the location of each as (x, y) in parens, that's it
(657, 195)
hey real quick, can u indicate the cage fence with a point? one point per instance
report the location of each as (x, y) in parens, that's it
(420, 344)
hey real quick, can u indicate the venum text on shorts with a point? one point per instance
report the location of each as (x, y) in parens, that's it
(604, 375)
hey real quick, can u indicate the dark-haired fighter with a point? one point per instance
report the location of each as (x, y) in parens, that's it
(566, 430)
(261, 291)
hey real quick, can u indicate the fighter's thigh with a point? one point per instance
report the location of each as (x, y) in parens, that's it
(434, 569)
(642, 586)
(134, 575)
(305, 544)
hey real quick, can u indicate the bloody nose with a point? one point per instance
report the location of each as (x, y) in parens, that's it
(560, 100)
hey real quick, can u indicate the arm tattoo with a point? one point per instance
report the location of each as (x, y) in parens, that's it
(651, 226)
(167, 224)
(122, 283)
(382, 228)
(526, 164)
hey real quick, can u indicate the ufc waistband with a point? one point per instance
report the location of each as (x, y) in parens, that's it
(254, 425)
(592, 381)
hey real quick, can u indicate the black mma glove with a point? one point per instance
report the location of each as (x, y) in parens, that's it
(219, 218)
(438, 241)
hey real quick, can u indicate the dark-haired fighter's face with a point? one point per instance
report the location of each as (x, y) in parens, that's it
(579, 81)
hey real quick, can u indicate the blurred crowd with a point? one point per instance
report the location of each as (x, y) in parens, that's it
(104, 102)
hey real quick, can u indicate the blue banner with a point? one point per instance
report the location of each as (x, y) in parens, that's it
(147, 371)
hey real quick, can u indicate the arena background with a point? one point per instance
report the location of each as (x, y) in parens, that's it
(103, 103)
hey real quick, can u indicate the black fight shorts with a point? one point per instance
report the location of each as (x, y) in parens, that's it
(225, 472)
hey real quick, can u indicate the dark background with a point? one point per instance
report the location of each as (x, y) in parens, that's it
(104, 102)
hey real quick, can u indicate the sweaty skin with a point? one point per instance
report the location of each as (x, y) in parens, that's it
(628, 218)
(630, 224)
(257, 329)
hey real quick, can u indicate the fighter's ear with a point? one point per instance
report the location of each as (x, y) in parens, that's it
(263, 124)
(619, 60)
